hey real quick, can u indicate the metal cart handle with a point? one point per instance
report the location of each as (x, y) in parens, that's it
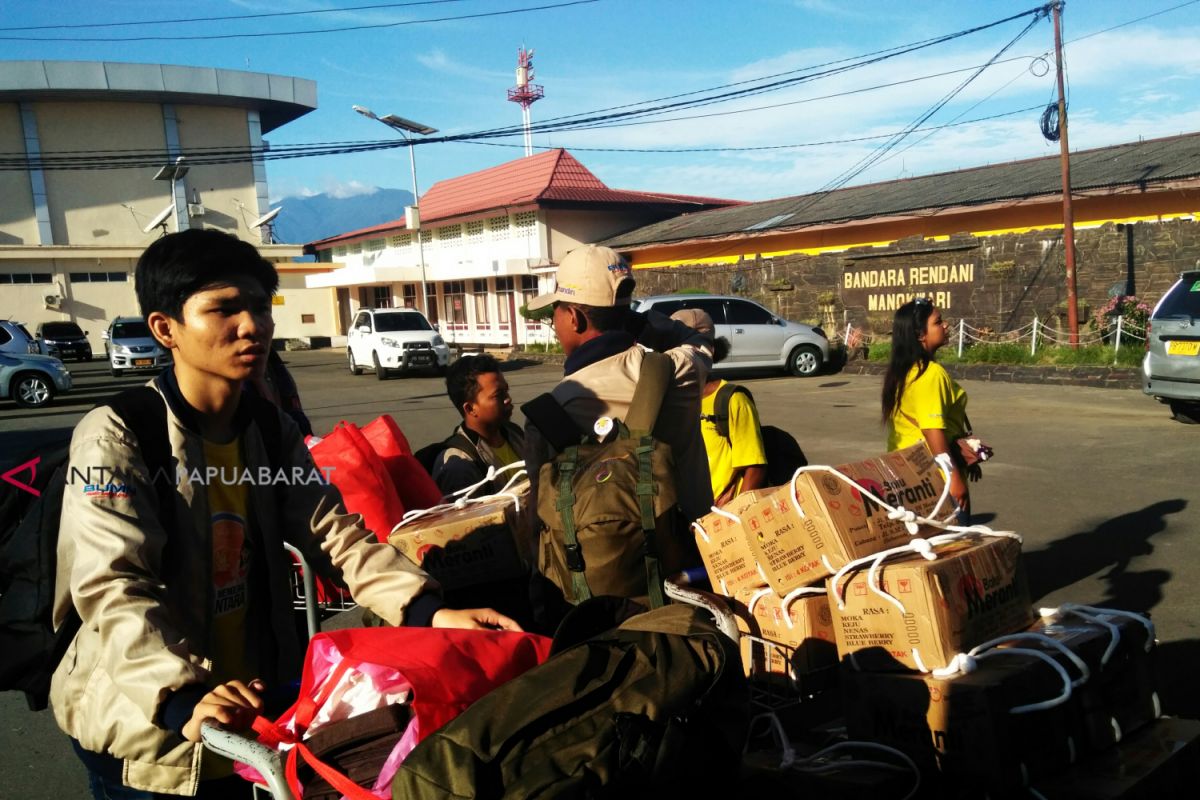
(239, 747)
(676, 589)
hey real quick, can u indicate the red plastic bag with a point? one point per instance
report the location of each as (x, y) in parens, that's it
(412, 482)
(446, 670)
(361, 476)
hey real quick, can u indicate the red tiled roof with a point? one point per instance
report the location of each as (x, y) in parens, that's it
(554, 175)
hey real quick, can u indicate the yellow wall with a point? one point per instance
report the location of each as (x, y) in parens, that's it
(17, 223)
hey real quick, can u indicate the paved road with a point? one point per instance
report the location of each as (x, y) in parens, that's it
(1101, 483)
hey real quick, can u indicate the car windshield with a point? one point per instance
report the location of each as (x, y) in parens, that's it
(386, 323)
(51, 329)
(131, 330)
(1183, 300)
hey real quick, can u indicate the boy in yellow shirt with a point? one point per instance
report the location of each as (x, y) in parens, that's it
(737, 462)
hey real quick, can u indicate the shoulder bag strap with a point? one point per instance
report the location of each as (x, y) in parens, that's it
(144, 411)
(653, 380)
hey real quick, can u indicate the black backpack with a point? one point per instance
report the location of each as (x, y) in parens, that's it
(30, 647)
(658, 707)
(783, 452)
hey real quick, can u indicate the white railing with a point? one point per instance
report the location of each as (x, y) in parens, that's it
(1037, 333)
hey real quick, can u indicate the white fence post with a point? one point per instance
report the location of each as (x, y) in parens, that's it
(961, 323)
(1033, 345)
(1117, 346)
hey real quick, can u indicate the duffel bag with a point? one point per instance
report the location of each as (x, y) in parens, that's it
(657, 707)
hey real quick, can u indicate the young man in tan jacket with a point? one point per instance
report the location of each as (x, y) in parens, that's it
(186, 611)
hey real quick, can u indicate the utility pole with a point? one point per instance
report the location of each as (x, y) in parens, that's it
(1065, 158)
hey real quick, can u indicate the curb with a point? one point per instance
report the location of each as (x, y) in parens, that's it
(1050, 375)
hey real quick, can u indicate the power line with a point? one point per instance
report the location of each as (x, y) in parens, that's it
(206, 37)
(851, 140)
(266, 15)
(211, 156)
(556, 123)
(871, 159)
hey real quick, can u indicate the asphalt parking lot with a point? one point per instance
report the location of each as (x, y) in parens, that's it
(1101, 483)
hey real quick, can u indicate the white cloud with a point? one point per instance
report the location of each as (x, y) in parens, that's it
(436, 60)
(328, 184)
(343, 189)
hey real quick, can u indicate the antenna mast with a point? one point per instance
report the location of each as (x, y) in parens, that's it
(526, 93)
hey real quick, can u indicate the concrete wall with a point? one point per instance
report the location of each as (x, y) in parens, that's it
(999, 282)
(293, 301)
(86, 206)
(222, 186)
(17, 223)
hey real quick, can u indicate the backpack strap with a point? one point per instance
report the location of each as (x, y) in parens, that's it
(144, 412)
(553, 421)
(720, 415)
(646, 489)
(567, 466)
(653, 380)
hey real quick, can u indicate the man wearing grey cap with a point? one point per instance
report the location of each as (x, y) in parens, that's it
(604, 341)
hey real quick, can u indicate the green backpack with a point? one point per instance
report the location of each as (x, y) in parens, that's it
(608, 508)
(657, 707)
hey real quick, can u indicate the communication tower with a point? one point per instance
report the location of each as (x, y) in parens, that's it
(526, 92)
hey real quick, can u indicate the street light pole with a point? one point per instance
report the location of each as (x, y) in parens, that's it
(404, 127)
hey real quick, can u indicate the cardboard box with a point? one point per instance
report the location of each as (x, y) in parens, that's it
(1119, 696)
(973, 591)
(1161, 760)
(466, 546)
(724, 550)
(796, 651)
(960, 731)
(838, 523)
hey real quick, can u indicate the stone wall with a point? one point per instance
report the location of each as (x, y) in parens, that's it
(998, 282)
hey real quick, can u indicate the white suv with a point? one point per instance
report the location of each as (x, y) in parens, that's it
(394, 339)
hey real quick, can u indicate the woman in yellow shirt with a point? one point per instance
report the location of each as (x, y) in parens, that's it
(921, 402)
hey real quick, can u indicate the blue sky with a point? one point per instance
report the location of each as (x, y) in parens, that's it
(1139, 80)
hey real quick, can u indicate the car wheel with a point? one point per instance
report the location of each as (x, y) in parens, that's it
(116, 373)
(1187, 413)
(380, 372)
(355, 369)
(32, 390)
(805, 361)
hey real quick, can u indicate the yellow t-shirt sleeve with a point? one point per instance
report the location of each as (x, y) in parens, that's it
(745, 433)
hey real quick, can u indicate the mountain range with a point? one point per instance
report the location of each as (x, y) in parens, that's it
(307, 219)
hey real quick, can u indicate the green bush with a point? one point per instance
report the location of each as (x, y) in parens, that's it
(543, 347)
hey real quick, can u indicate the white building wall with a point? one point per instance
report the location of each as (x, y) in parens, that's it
(486, 256)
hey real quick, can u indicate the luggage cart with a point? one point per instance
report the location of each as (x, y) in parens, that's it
(781, 705)
(306, 596)
(769, 692)
(240, 747)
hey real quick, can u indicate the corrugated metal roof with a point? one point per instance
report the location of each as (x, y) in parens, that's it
(1132, 164)
(552, 176)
